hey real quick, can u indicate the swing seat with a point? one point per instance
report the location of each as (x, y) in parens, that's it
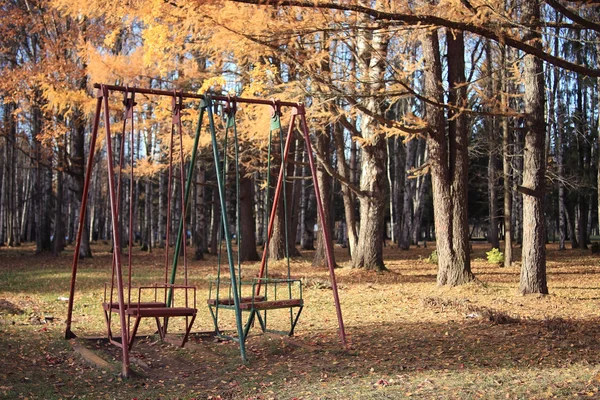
(229, 300)
(272, 305)
(155, 309)
(114, 306)
(162, 312)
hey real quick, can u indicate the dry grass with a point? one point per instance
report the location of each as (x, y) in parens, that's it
(409, 338)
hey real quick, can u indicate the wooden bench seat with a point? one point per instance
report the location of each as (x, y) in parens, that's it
(147, 304)
(161, 311)
(272, 305)
(228, 301)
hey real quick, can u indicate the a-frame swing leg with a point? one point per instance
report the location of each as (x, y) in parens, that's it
(215, 320)
(250, 322)
(159, 328)
(188, 328)
(108, 327)
(220, 185)
(136, 324)
(82, 211)
(300, 110)
(103, 92)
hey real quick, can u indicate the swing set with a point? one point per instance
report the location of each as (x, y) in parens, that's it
(254, 297)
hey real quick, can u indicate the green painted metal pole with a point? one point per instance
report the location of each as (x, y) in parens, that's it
(220, 186)
(188, 186)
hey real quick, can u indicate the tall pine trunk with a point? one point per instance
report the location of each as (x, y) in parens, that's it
(449, 160)
(371, 53)
(533, 264)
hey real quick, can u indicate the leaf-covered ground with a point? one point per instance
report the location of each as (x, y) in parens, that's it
(409, 338)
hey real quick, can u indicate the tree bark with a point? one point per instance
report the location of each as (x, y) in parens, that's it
(533, 264)
(492, 146)
(345, 171)
(324, 182)
(248, 228)
(506, 170)
(200, 235)
(449, 160)
(371, 53)
(78, 174)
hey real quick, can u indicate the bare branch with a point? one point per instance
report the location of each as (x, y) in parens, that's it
(410, 19)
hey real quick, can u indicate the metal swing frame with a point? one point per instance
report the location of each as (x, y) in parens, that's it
(298, 114)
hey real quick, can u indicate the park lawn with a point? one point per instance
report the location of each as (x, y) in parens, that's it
(409, 338)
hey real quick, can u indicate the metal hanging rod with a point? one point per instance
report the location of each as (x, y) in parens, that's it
(171, 93)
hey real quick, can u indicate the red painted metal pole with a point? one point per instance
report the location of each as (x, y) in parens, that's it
(288, 142)
(86, 185)
(158, 92)
(326, 236)
(129, 113)
(168, 227)
(116, 239)
(183, 208)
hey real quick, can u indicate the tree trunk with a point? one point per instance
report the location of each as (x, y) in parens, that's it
(371, 53)
(215, 221)
(324, 182)
(533, 264)
(9, 172)
(58, 243)
(492, 146)
(200, 234)
(78, 174)
(162, 230)
(345, 171)
(449, 160)
(598, 133)
(308, 210)
(283, 220)
(296, 193)
(248, 228)
(506, 170)
(409, 188)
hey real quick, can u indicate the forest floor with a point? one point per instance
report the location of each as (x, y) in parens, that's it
(408, 337)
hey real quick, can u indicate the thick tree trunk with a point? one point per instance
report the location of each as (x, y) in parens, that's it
(449, 160)
(533, 264)
(369, 249)
(371, 53)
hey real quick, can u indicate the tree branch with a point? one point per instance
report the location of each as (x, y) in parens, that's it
(573, 16)
(410, 19)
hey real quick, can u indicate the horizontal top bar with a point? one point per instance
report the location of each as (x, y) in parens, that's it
(172, 93)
